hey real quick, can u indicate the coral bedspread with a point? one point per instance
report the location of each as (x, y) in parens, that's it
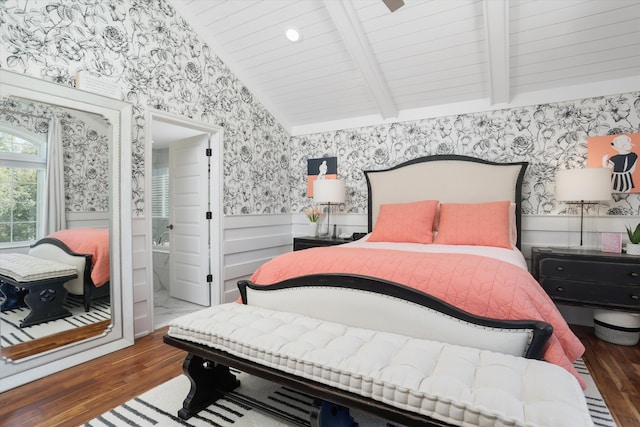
(94, 241)
(480, 285)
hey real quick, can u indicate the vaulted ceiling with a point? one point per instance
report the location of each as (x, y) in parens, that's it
(359, 63)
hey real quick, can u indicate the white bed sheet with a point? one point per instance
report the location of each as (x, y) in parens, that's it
(512, 256)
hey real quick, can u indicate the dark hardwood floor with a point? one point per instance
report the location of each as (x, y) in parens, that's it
(76, 395)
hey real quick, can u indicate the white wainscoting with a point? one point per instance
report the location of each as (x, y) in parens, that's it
(88, 219)
(250, 241)
(142, 297)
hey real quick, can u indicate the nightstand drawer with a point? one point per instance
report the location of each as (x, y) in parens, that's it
(599, 294)
(590, 271)
(300, 243)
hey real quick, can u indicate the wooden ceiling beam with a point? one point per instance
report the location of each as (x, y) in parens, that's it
(496, 23)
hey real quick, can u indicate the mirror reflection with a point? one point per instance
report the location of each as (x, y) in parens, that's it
(54, 226)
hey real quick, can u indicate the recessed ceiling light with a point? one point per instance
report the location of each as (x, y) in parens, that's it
(293, 34)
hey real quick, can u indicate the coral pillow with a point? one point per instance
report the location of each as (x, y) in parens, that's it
(405, 222)
(478, 224)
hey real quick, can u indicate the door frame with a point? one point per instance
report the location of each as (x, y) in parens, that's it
(215, 195)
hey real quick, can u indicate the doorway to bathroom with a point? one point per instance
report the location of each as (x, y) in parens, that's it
(185, 220)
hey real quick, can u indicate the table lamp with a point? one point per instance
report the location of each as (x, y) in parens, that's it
(328, 191)
(581, 186)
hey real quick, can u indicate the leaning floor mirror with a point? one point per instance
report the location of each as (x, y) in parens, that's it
(66, 293)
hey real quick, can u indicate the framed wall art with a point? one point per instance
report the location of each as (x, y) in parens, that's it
(619, 153)
(322, 168)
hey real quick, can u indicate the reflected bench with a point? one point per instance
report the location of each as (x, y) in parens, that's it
(38, 284)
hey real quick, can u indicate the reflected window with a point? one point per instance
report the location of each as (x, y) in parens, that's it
(22, 176)
(160, 192)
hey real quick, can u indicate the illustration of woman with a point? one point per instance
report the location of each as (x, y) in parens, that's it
(623, 164)
(323, 170)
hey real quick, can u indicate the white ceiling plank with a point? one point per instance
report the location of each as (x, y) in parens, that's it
(333, 72)
(319, 50)
(585, 37)
(623, 67)
(436, 61)
(349, 28)
(584, 25)
(321, 88)
(625, 43)
(425, 26)
(445, 78)
(361, 104)
(587, 80)
(496, 21)
(423, 41)
(593, 61)
(532, 15)
(439, 97)
(471, 80)
(272, 38)
(444, 48)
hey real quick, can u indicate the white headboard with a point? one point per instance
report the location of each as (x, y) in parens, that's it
(449, 179)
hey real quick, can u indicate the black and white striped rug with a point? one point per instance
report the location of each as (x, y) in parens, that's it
(597, 407)
(159, 407)
(11, 333)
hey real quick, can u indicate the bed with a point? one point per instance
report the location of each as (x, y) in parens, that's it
(441, 228)
(448, 226)
(87, 249)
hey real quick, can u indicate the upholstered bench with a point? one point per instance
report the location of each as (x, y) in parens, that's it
(39, 282)
(410, 380)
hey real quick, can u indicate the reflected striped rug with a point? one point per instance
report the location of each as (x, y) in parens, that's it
(11, 333)
(280, 406)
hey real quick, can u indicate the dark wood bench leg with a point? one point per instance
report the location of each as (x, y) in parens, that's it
(46, 302)
(13, 296)
(327, 414)
(209, 382)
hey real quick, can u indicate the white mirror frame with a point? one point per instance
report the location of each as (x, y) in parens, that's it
(120, 333)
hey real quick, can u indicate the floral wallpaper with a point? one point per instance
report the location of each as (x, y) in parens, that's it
(159, 62)
(85, 145)
(548, 136)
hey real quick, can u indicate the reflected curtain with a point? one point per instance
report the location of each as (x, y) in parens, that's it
(55, 218)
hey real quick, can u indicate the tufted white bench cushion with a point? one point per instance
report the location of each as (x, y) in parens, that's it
(26, 268)
(458, 385)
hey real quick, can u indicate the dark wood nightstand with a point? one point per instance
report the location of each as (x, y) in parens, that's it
(588, 277)
(307, 242)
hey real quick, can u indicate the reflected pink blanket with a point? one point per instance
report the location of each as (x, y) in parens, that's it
(94, 241)
(480, 285)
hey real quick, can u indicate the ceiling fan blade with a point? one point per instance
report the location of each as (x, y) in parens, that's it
(394, 5)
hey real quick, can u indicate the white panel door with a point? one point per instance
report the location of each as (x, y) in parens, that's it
(189, 198)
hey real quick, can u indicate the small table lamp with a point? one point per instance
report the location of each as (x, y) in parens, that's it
(589, 185)
(328, 191)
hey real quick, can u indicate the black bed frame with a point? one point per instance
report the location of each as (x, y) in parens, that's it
(90, 291)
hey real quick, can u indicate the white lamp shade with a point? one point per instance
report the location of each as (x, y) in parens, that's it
(328, 191)
(590, 184)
